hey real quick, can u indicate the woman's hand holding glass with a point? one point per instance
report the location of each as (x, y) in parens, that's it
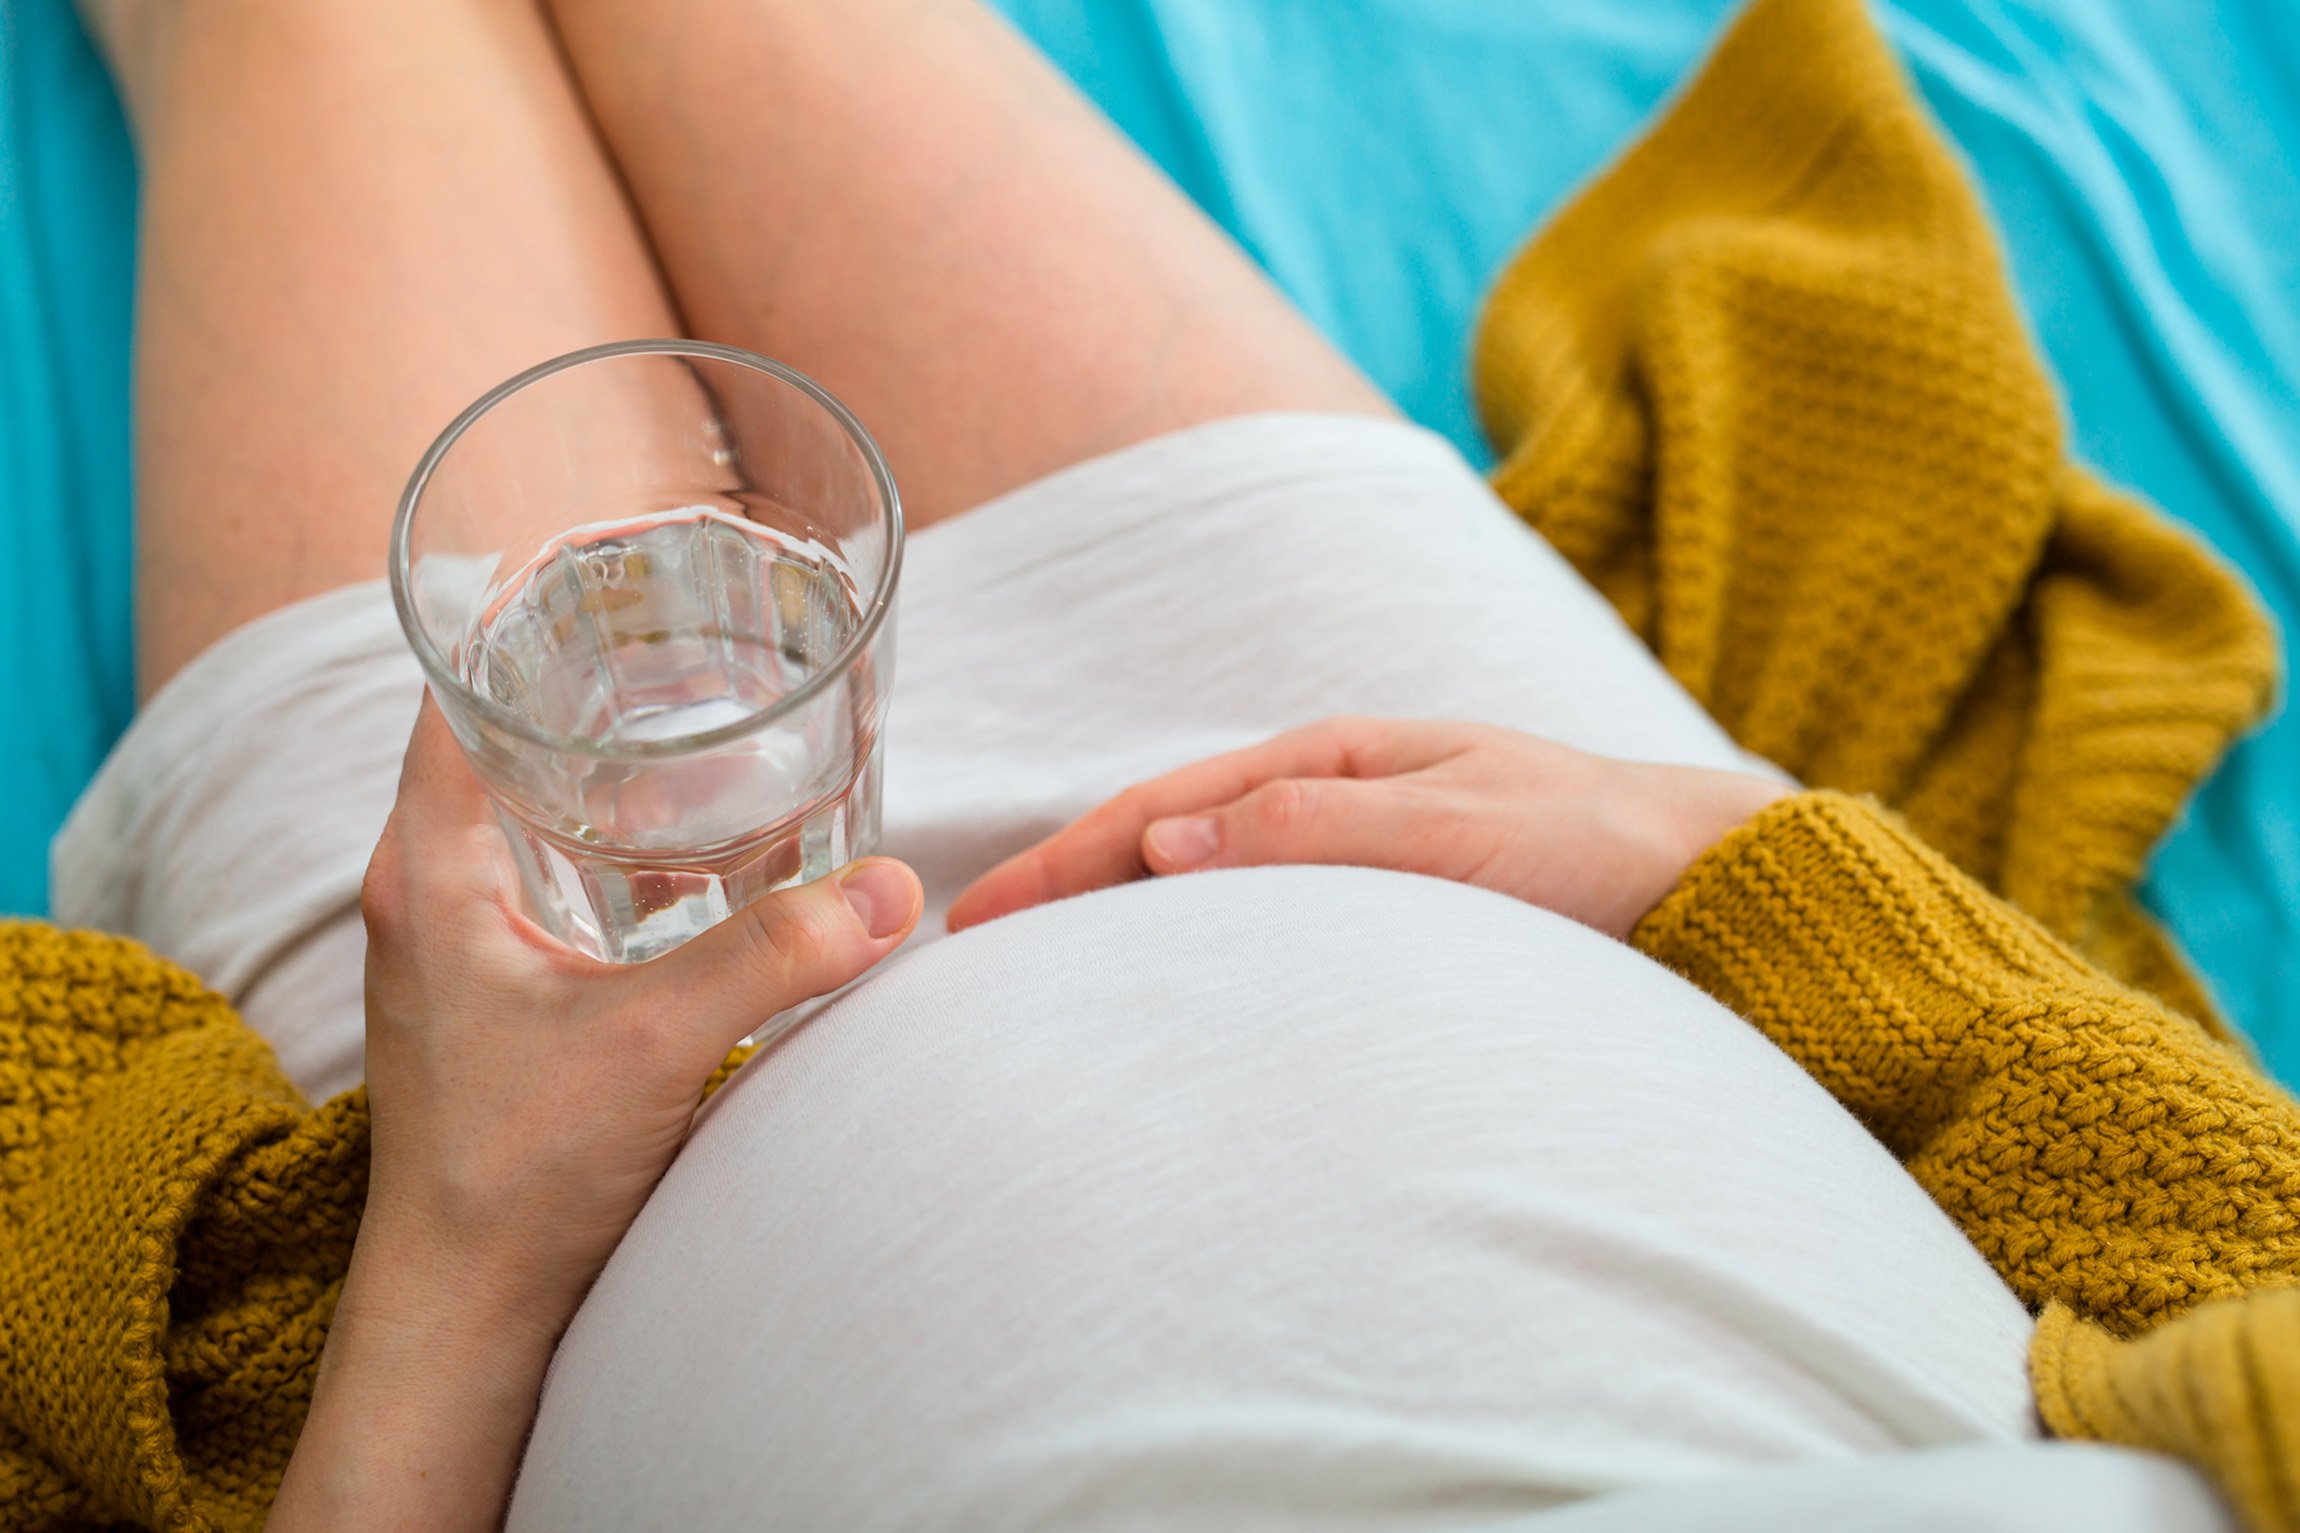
(525, 1099)
(1599, 840)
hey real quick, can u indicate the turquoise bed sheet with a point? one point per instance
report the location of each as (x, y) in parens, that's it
(67, 209)
(1382, 158)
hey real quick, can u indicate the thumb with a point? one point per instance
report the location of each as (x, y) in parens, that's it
(788, 947)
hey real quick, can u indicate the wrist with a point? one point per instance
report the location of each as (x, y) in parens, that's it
(1726, 802)
(426, 1390)
(1674, 816)
(408, 1287)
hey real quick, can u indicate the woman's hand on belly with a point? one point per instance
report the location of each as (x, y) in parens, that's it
(1596, 839)
(525, 1100)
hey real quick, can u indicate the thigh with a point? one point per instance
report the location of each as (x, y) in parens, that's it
(1286, 1198)
(901, 198)
(356, 219)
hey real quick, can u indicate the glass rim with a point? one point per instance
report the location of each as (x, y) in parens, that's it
(442, 676)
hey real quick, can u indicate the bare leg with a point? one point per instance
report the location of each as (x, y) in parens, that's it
(357, 217)
(902, 199)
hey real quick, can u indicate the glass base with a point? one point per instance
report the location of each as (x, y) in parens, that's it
(629, 908)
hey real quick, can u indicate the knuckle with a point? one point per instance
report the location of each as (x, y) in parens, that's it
(789, 942)
(382, 895)
(1286, 809)
(1356, 741)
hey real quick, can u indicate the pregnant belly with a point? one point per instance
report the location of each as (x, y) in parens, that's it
(1257, 1199)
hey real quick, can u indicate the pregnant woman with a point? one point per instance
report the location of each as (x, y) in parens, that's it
(1362, 1177)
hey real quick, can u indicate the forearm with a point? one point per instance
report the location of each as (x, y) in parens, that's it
(2096, 1147)
(426, 1391)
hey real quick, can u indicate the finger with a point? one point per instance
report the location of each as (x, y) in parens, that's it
(1104, 847)
(1337, 820)
(440, 849)
(438, 791)
(775, 952)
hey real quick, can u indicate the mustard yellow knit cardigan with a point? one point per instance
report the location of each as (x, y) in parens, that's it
(1764, 385)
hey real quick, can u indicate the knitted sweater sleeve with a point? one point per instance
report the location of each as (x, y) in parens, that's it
(2101, 1151)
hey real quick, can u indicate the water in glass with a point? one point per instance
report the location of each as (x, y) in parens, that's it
(664, 627)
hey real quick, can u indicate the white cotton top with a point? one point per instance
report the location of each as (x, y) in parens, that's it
(1295, 1198)
(1277, 1199)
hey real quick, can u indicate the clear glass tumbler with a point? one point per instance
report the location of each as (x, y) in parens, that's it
(652, 585)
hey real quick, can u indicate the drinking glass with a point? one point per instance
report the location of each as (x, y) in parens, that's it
(652, 586)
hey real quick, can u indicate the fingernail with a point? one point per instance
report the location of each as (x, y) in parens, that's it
(880, 896)
(1184, 843)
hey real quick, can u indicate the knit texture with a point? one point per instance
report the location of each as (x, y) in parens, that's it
(175, 1225)
(2219, 1389)
(2126, 1173)
(1765, 385)
(174, 1228)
